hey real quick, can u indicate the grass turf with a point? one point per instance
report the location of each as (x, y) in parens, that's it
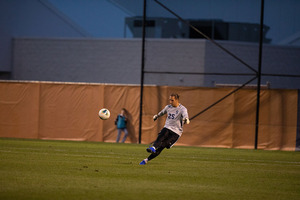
(36, 169)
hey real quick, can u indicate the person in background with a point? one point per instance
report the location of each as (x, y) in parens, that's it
(121, 123)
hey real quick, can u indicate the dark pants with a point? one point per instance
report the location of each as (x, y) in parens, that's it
(119, 134)
(165, 139)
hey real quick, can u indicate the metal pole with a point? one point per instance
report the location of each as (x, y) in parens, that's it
(259, 72)
(142, 71)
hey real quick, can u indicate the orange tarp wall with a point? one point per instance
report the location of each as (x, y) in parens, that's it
(69, 111)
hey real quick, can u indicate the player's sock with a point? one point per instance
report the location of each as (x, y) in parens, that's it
(144, 162)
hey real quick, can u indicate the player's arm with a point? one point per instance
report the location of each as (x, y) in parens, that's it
(185, 117)
(161, 113)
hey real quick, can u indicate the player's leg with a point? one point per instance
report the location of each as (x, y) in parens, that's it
(171, 140)
(163, 134)
(152, 155)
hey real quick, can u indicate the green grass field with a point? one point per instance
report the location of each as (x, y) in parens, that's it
(35, 169)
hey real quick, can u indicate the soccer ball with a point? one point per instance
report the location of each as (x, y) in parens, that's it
(104, 114)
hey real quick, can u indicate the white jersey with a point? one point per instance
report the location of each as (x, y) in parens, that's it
(174, 118)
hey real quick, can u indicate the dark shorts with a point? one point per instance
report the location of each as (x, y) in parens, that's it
(166, 139)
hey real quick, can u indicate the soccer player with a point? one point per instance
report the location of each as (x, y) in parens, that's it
(176, 115)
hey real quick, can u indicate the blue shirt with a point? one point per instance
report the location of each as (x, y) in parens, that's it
(121, 121)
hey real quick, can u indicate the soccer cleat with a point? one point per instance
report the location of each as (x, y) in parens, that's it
(151, 149)
(144, 162)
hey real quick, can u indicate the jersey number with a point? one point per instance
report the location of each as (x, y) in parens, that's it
(171, 116)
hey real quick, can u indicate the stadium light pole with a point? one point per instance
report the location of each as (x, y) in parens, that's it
(142, 71)
(259, 72)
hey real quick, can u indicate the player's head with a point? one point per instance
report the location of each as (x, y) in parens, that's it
(174, 99)
(175, 95)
